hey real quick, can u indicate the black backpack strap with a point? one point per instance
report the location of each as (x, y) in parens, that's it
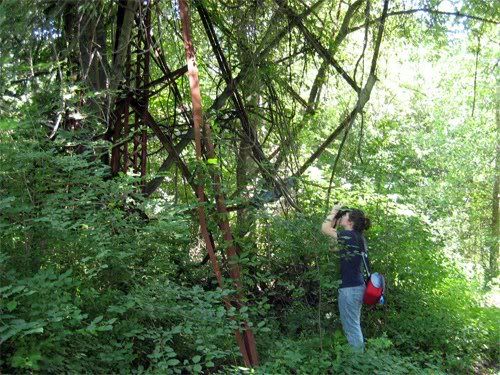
(367, 268)
(364, 256)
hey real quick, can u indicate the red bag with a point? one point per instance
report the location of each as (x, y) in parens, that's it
(375, 284)
(374, 289)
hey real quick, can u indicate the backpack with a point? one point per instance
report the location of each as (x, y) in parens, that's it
(375, 283)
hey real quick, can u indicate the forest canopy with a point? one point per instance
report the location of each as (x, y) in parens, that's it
(165, 167)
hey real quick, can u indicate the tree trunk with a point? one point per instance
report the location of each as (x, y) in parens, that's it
(92, 40)
(125, 22)
(249, 89)
(243, 219)
(495, 230)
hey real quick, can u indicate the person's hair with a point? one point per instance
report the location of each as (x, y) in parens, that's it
(360, 221)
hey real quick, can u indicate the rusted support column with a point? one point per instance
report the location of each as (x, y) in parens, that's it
(142, 78)
(246, 341)
(121, 127)
(130, 140)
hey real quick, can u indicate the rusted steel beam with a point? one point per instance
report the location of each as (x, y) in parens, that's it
(163, 137)
(246, 341)
(120, 118)
(130, 142)
(169, 78)
(120, 126)
(153, 184)
(249, 132)
(142, 74)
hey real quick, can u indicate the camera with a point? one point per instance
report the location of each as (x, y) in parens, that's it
(341, 212)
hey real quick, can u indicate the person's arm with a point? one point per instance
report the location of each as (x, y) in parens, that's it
(328, 226)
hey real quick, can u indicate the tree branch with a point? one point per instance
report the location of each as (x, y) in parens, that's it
(316, 44)
(231, 91)
(363, 97)
(426, 10)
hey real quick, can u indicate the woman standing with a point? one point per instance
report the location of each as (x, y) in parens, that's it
(351, 247)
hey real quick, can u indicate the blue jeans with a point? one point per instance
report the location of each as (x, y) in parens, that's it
(350, 302)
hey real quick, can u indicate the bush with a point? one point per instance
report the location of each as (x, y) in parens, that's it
(88, 284)
(308, 356)
(93, 279)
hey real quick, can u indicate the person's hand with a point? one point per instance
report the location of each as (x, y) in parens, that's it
(335, 209)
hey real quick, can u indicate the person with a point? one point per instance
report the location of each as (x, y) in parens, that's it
(351, 247)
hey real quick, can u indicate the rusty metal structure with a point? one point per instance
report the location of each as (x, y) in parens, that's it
(131, 127)
(128, 132)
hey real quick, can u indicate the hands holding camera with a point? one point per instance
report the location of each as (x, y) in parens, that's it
(335, 209)
(333, 213)
(329, 225)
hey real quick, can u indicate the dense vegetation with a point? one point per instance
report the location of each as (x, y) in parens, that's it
(104, 269)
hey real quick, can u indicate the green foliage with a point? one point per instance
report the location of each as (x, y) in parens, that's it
(96, 278)
(310, 356)
(84, 275)
(433, 314)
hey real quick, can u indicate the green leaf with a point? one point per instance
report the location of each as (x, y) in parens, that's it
(197, 368)
(173, 362)
(96, 320)
(104, 328)
(196, 359)
(11, 305)
(33, 330)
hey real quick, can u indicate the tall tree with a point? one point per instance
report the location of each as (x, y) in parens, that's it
(495, 224)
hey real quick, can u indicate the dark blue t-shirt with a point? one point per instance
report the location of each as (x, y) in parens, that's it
(351, 249)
